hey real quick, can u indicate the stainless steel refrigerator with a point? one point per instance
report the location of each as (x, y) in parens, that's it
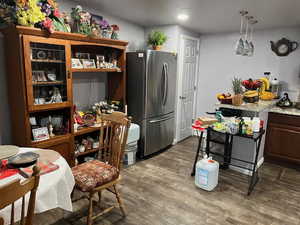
(151, 88)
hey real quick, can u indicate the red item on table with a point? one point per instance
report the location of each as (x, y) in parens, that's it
(198, 125)
(44, 168)
(5, 172)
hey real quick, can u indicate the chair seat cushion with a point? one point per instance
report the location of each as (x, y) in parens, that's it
(94, 173)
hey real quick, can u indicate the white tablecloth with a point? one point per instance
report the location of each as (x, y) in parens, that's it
(54, 190)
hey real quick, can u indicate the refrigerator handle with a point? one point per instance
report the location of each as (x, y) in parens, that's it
(165, 69)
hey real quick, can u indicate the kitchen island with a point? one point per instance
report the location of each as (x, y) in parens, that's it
(282, 136)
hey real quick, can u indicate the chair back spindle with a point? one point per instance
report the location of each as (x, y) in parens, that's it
(15, 190)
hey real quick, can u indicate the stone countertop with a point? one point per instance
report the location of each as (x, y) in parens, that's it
(286, 111)
(252, 107)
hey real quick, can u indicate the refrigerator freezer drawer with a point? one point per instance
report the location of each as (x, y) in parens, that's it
(159, 133)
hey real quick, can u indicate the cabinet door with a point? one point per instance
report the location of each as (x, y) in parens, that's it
(47, 70)
(283, 141)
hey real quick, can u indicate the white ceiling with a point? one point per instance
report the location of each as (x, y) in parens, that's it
(206, 16)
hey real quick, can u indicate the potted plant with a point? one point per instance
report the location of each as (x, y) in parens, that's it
(237, 99)
(156, 39)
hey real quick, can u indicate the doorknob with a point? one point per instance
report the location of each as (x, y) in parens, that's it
(182, 98)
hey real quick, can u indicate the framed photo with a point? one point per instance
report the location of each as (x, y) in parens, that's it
(88, 63)
(80, 55)
(76, 64)
(38, 75)
(95, 19)
(40, 134)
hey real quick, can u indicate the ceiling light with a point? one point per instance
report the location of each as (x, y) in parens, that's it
(183, 16)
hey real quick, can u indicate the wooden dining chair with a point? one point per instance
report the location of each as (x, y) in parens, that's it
(15, 190)
(103, 174)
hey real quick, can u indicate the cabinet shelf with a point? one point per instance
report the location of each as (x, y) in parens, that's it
(86, 130)
(47, 83)
(47, 61)
(87, 152)
(99, 70)
(55, 138)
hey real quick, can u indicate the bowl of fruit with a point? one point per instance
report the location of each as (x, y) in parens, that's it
(225, 98)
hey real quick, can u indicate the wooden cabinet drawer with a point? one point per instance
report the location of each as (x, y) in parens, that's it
(284, 119)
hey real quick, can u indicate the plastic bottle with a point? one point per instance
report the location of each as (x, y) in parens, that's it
(207, 174)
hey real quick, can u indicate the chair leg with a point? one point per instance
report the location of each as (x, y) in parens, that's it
(119, 201)
(90, 212)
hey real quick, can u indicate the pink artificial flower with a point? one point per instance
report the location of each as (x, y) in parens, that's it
(47, 24)
(56, 13)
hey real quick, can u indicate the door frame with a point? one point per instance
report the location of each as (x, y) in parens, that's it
(179, 81)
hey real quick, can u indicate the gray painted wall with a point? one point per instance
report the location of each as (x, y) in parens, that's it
(129, 31)
(219, 64)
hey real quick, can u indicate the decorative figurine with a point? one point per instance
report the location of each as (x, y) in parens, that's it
(50, 127)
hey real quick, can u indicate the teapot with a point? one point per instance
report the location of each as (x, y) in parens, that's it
(284, 47)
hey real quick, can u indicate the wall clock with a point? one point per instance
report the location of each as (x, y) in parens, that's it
(283, 47)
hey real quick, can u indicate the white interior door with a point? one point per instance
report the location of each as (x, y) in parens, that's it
(187, 87)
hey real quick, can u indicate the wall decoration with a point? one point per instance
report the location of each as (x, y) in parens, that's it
(76, 64)
(284, 47)
(40, 134)
(88, 63)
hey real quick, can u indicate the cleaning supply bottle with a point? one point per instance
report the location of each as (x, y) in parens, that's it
(207, 173)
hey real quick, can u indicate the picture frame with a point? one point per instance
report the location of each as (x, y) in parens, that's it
(76, 64)
(39, 76)
(88, 63)
(96, 19)
(81, 55)
(40, 134)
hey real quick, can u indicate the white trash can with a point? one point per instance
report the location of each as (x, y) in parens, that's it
(131, 146)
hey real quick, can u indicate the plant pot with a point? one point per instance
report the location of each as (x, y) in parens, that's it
(157, 47)
(237, 100)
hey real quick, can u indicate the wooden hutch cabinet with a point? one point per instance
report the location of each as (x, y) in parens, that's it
(29, 53)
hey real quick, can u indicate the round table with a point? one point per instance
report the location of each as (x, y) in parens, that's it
(54, 190)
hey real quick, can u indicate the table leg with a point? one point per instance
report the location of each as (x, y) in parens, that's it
(254, 176)
(197, 154)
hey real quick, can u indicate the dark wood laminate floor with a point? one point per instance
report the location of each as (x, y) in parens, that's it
(160, 191)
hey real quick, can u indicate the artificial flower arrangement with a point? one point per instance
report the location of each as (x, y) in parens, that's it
(82, 21)
(33, 13)
(45, 14)
(115, 32)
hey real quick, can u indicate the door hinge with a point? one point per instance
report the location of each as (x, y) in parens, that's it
(197, 52)
(195, 88)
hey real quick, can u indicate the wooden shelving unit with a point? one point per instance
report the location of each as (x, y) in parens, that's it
(21, 61)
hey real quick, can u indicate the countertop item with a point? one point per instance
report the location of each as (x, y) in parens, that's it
(287, 111)
(253, 107)
(23, 160)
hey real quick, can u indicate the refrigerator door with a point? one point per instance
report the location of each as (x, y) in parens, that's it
(160, 83)
(157, 134)
(136, 85)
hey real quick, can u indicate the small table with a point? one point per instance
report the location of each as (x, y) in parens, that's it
(54, 190)
(227, 142)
